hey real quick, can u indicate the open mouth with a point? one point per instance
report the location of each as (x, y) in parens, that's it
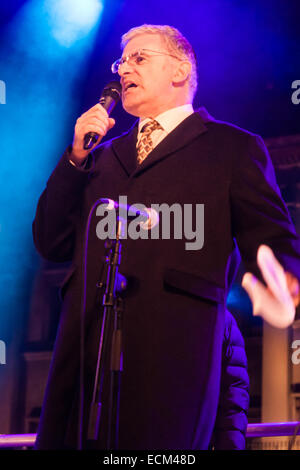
(129, 85)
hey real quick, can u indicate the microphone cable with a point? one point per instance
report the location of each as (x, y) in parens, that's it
(82, 325)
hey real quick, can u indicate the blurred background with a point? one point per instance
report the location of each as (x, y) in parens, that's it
(55, 58)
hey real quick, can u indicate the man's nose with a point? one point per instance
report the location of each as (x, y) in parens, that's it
(124, 68)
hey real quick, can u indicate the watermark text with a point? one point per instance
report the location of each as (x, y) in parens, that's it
(296, 94)
(2, 352)
(160, 221)
(296, 353)
(2, 92)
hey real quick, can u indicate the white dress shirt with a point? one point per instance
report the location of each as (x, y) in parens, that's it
(168, 121)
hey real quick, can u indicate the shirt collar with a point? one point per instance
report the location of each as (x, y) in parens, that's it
(171, 118)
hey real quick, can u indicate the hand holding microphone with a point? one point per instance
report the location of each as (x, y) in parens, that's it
(93, 125)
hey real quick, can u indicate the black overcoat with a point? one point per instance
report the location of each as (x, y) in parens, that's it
(173, 323)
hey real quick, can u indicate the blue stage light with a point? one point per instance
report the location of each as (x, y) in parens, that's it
(238, 299)
(44, 51)
(70, 20)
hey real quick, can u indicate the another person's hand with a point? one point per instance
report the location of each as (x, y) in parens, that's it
(95, 120)
(275, 303)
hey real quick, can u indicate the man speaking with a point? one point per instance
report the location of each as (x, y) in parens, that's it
(173, 321)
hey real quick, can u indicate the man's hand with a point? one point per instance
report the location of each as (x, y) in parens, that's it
(275, 303)
(95, 120)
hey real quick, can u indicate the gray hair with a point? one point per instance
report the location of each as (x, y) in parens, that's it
(175, 42)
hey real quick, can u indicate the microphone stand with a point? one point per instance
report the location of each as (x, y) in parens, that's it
(112, 311)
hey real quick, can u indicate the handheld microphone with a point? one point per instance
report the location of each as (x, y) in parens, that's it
(108, 99)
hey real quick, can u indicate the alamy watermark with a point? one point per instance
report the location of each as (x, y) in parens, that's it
(296, 353)
(2, 352)
(160, 221)
(2, 92)
(296, 94)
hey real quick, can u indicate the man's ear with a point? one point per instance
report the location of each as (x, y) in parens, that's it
(182, 72)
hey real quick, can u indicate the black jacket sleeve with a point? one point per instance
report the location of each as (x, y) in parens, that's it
(58, 210)
(231, 421)
(259, 215)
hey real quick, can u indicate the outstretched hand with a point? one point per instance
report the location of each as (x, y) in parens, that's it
(275, 303)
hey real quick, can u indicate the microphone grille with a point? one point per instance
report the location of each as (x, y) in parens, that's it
(113, 87)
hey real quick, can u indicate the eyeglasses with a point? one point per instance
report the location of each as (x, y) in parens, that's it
(137, 58)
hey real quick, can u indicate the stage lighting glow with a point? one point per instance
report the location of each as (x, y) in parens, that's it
(70, 20)
(44, 51)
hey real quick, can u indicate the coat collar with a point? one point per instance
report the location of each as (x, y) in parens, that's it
(125, 146)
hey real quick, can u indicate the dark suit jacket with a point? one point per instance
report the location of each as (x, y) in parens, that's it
(173, 323)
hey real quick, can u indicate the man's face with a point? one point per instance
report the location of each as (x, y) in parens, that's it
(152, 92)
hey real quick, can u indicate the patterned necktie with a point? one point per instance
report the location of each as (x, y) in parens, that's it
(145, 145)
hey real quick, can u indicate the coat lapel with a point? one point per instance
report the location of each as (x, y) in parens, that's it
(182, 135)
(125, 146)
